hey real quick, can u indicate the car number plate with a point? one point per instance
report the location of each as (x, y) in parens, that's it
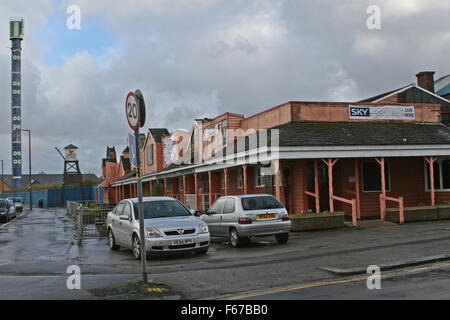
(182, 241)
(266, 216)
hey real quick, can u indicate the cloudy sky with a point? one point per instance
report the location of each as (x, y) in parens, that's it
(200, 58)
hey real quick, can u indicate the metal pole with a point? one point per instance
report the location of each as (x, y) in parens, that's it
(29, 165)
(3, 180)
(140, 207)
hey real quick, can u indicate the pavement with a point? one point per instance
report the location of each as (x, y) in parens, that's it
(37, 248)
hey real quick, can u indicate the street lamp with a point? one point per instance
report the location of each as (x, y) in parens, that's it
(3, 180)
(29, 165)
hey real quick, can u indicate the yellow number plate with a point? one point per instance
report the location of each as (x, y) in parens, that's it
(266, 216)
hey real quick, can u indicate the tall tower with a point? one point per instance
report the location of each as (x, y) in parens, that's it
(16, 37)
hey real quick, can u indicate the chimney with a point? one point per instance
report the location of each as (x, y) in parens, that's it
(425, 79)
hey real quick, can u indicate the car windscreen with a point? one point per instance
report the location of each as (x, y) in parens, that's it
(161, 209)
(260, 203)
(2, 205)
(17, 200)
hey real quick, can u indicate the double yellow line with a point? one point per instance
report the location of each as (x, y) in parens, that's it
(325, 283)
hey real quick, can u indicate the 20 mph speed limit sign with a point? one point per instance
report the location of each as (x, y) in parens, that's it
(132, 110)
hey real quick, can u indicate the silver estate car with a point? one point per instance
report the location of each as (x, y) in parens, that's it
(243, 216)
(169, 227)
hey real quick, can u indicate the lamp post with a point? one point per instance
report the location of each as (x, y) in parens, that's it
(3, 180)
(29, 165)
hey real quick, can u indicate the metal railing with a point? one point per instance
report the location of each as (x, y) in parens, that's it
(89, 219)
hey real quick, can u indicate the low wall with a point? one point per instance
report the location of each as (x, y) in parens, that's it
(418, 214)
(317, 221)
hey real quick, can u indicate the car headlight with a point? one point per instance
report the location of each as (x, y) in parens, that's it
(203, 228)
(153, 233)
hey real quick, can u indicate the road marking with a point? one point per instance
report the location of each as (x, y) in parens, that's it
(325, 283)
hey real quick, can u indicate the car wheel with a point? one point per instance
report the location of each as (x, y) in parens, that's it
(112, 241)
(236, 240)
(136, 246)
(282, 238)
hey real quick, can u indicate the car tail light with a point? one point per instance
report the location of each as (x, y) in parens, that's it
(244, 221)
(285, 218)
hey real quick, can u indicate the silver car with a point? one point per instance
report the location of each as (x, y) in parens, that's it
(18, 203)
(243, 216)
(7, 210)
(169, 227)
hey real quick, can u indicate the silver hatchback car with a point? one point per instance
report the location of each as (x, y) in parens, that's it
(243, 216)
(169, 227)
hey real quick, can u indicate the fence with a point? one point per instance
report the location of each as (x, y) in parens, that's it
(89, 219)
(52, 198)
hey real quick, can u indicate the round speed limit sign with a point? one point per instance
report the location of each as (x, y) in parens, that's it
(132, 110)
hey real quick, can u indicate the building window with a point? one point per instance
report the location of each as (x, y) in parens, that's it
(224, 132)
(441, 174)
(371, 176)
(280, 180)
(239, 177)
(150, 155)
(222, 180)
(259, 177)
(169, 185)
(180, 184)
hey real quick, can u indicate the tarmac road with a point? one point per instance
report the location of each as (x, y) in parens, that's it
(36, 249)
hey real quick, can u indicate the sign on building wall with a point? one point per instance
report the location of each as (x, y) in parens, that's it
(387, 112)
(169, 148)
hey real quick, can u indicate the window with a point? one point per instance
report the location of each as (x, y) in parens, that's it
(217, 206)
(180, 184)
(260, 203)
(280, 180)
(162, 209)
(239, 177)
(371, 174)
(259, 177)
(229, 206)
(150, 155)
(169, 185)
(118, 209)
(441, 174)
(224, 132)
(127, 210)
(222, 180)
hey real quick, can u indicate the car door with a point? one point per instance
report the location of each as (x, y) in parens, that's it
(124, 227)
(229, 216)
(113, 220)
(214, 217)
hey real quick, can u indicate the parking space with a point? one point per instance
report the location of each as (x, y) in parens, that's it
(37, 249)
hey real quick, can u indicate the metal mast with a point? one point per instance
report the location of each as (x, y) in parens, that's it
(16, 37)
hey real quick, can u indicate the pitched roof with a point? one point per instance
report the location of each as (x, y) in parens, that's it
(297, 134)
(158, 133)
(125, 163)
(442, 85)
(385, 94)
(70, 146)
(362, 133)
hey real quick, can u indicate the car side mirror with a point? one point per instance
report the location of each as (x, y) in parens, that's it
(192, 211)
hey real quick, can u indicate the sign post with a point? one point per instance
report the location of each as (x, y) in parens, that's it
(133, 105)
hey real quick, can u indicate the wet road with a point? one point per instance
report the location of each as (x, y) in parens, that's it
(37, 249)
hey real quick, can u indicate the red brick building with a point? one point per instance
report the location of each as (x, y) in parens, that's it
(318, 156)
